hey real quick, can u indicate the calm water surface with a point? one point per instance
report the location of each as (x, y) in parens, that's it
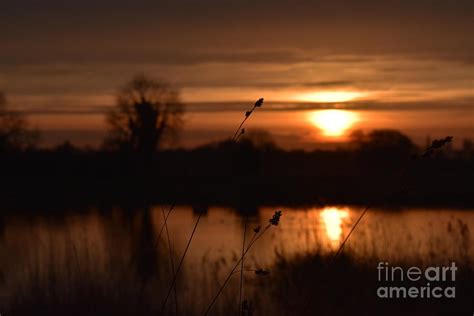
(99, 237)
(43, 251)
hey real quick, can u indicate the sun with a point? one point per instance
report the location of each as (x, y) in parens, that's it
(333, 122)
(329, 96)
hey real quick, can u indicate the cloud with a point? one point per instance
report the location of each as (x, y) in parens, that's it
(193, 32)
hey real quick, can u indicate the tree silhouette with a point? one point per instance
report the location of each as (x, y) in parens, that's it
(383, 149)
(386, 141)
(147, 113)
(15, 133)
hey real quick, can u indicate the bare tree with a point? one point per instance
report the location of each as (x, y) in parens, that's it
(384, 149)
(15, 133)
(147, 113)
(384, 140)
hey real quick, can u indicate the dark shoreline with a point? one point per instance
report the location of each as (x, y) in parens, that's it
(242, 176)
(244, 195)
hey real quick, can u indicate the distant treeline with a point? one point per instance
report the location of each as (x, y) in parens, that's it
(382, 167)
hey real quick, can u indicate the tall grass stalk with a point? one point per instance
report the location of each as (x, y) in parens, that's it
(214, 300)
(235, 138)
(175, 275)
(273, 222)
(158, 237)
(171, 260)
(339, 251)
(242, 265)
(241, 131)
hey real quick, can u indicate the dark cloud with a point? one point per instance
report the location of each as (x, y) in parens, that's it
(185, 57)
(188, 32)
(56, 48)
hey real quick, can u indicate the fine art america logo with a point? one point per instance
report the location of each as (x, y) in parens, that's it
(431, 282)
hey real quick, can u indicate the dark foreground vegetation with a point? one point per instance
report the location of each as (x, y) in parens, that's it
(306, 285)
(318, 285)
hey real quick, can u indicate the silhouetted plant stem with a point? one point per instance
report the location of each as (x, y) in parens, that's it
(155, 244)
(240, 134)
(171, 260)
(158, 237)
(237, 135)
(242, 264)
(247, 115)
(254, 240)
(339, 251)
(427, 153)
(175, 275)
(253, 237)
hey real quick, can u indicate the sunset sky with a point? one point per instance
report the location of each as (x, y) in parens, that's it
(60, 57)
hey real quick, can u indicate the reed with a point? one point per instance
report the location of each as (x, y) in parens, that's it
(240, 131)
(175, 275)
(171, 259)
(242, 265)
(235, 138)
(274, 221)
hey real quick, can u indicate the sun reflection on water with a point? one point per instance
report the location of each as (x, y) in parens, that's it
(332, 218)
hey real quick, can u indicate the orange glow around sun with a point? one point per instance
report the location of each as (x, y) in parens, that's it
(333, 122)
(329, 96)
